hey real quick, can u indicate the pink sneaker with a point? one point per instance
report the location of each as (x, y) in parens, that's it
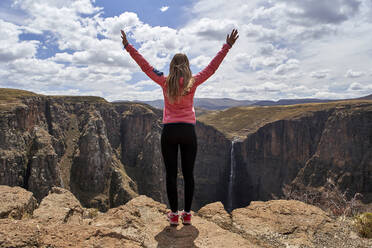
(186, 218)
(173, 219)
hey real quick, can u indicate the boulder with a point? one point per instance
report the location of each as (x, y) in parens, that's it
(59, 206)
(216, 213)
(16, 202)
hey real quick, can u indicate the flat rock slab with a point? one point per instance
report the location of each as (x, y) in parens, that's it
(60, 221)
(16, 202)
(285, 223)
(19, 233)
(144, 220)
(30, 233)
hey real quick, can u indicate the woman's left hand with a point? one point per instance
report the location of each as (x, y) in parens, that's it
(230, 39)
(124, 37)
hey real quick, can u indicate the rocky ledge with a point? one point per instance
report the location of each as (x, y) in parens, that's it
(60, 221)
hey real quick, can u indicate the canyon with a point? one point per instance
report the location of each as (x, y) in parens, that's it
(109, 153)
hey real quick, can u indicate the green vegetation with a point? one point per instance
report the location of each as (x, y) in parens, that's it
(13, 97)
(200, 111)
(8, 95)
(77, 99)
(241, 121)
(363, 224)
(13, 94)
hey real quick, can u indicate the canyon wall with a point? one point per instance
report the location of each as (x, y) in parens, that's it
(104, 153)
(108, 153)
(140, 152)
(63, 141)
(305, 152)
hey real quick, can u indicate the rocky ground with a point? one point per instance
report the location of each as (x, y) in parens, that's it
(60, 221)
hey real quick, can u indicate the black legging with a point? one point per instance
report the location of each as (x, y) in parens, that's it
(182, 134)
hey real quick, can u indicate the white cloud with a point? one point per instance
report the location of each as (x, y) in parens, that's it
(354, 74)
(103, 52)
(324, 94)
(110, 27)
(164, 8)
(315, 12)
(363, 87)
(355, 86)
(282, 51)
(62, 19)
(11, 48)
(79, 6)
(290, 65)
(214, 29)
(269, 56)
(200, 61)
(260, 33)
(271, 86)
(320, 74)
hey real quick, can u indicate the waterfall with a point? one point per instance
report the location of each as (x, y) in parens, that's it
(231, 178)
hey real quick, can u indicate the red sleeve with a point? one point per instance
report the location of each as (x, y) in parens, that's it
(213, 65)
(150, 71)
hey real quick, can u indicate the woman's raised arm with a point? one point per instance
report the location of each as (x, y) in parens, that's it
(217, 60)
(150, 71)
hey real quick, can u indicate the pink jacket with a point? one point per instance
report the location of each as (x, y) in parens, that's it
(184, 110)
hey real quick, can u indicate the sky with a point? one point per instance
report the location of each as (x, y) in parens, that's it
(286, 48)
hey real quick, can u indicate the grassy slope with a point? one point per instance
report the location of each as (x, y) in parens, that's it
(7, 95)
(241, 121)
(76, 99)
(13, 97)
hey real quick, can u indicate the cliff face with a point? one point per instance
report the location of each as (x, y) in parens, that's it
(108, 153)
(28, 158)
(273, 156)
(343, 154)
(212, 166)
(104, 153)
(302, 146)
(62, 141)
(141, 152)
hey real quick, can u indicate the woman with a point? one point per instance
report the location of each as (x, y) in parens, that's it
(179, 119)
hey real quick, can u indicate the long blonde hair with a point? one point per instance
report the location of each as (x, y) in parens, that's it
(179, 67)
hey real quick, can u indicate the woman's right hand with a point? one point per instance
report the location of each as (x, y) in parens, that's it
(230, 39)
(124, 38)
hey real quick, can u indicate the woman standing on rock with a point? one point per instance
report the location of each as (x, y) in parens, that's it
(179, 118)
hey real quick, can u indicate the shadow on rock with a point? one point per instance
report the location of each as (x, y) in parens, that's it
(173, 237)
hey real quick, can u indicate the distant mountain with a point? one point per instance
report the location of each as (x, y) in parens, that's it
(207, 103)
(369, 97)
(156, 103)
(225, 103)
(220, 103)
(290, 101)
